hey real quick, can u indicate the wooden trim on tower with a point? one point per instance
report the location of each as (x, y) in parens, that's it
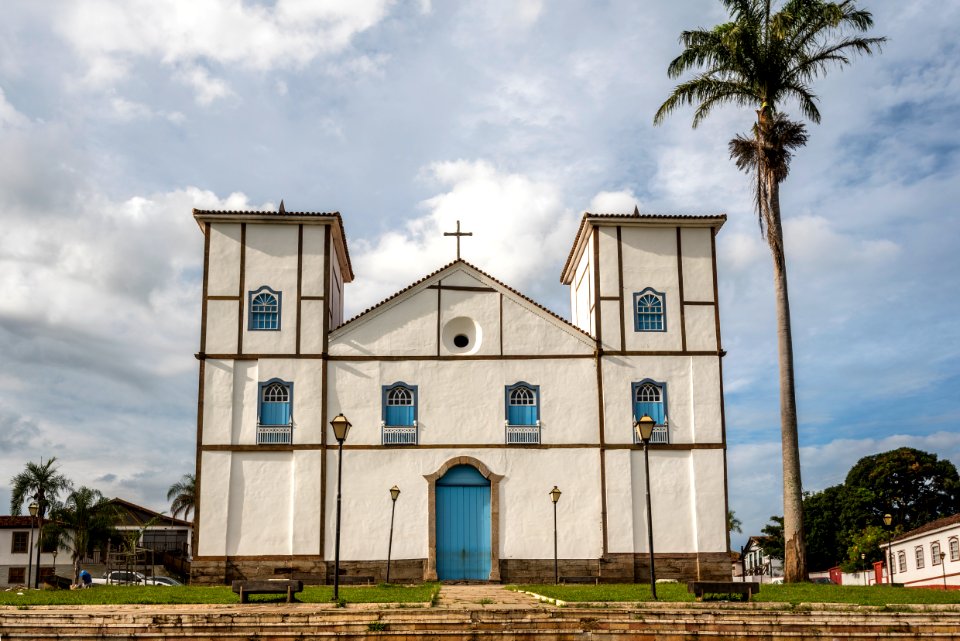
(306, 297)
(598, 319)
(463, 288)
(698, 302)
(598, 327)
(249, 447)
(243, 284)
(299, 280)
(723, 413)
(501, 323)
(221, 297)
(683, 319)
(439, 294)
(623, 322)
(200, 390)
(325, 375)
(452, 357)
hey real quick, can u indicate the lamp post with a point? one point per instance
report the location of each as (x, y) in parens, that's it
(34, 508)
(394, 493)
(887, 520)
(863, 566)
(644, 428)
(555, 496)
(943, 568)
(42, 506)
(340, 426)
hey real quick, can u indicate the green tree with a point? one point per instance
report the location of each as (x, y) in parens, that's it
(183, 496)
(85, 520)
(913, 486)
(773, 537)
(37, 479)
(733, 523)
(762, 58)
(821, 520)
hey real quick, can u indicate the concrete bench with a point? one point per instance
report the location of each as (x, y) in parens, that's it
(699, 588)
(276, 586)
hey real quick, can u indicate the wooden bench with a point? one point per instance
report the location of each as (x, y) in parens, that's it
(275, 586)
(699, 588)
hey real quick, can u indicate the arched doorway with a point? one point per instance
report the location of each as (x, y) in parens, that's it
(436, 520)
(463, 524)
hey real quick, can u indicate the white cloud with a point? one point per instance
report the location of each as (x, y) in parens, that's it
(9, 116)
(615, 202)
(518, 222)
(207, 87)
(109, 36)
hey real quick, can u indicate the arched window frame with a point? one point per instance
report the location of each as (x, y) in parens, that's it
(386, 392)
(918, 555)
(953, 544)
(902, 560)
(509, 392)
(260, 319)
(649, 321)
(662, 429)
(263, 390)
(935, 553)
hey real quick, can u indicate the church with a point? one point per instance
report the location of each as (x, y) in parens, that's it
(470, 398)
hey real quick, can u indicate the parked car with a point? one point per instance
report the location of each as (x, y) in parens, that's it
(120, 577)
(162, 580)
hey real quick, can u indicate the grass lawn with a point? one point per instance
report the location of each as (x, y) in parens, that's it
(118, 594)
(801, 593)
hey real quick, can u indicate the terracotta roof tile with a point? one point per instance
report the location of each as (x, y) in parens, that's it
(15, 521)
(929, 527)
(636, 215)
(474, 267)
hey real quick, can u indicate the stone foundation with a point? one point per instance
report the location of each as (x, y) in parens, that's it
(614, 568)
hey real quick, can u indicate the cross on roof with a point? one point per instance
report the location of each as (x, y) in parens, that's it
(458, 234)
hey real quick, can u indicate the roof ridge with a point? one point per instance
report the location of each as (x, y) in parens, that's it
(483, 273)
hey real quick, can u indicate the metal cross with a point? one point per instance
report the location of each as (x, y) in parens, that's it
(458, 234)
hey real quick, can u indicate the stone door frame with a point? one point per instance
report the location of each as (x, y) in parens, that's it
(431, 571)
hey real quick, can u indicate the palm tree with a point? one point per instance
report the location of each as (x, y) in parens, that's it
(37, 481)
(733, 523)
(762, 58)
(85, 520)
(183, 496)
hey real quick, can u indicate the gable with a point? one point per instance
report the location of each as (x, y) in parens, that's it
(426, 319)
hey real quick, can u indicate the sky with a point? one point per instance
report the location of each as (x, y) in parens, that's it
(512, 116)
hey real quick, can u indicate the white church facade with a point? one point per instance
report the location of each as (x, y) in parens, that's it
(470, 398)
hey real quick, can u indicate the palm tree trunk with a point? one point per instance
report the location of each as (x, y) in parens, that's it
(794, 547)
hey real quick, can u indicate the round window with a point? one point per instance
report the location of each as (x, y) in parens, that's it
(461, 335)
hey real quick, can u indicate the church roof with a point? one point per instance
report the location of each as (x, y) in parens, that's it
(242, 216)
(460, 261)
(635, 219)
(137, 515)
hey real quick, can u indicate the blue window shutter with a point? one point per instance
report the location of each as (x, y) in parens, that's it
(515, 415)
(275, 414)
(653, 410)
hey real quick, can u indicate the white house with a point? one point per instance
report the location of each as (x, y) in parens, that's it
(18, 553)
(471, 398)
(755, 564)
(928, 556)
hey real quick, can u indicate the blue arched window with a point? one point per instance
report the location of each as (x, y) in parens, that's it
(523, 404)
(276, 400)
(650, 398)
(399, 403)
(649, 311)
(264, 309)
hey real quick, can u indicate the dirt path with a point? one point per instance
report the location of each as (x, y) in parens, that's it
(479, 596)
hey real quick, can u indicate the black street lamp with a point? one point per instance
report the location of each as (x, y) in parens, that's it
(943, 568)
(887, 520)
(644, 428)
(341, 426)
(394, 493)
(863, 566)
(34, 508)
(555, 496)
(42, 503)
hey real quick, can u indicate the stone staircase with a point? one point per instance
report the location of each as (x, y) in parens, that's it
(663, 622)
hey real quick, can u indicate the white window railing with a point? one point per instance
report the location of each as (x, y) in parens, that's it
(522, 434)
(274, 434)
(399, 434)
(660, 435)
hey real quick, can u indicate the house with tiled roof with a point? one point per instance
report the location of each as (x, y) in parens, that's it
(927, 556)
(467, 396)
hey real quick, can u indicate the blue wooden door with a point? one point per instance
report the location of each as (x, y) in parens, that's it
(463, 525)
